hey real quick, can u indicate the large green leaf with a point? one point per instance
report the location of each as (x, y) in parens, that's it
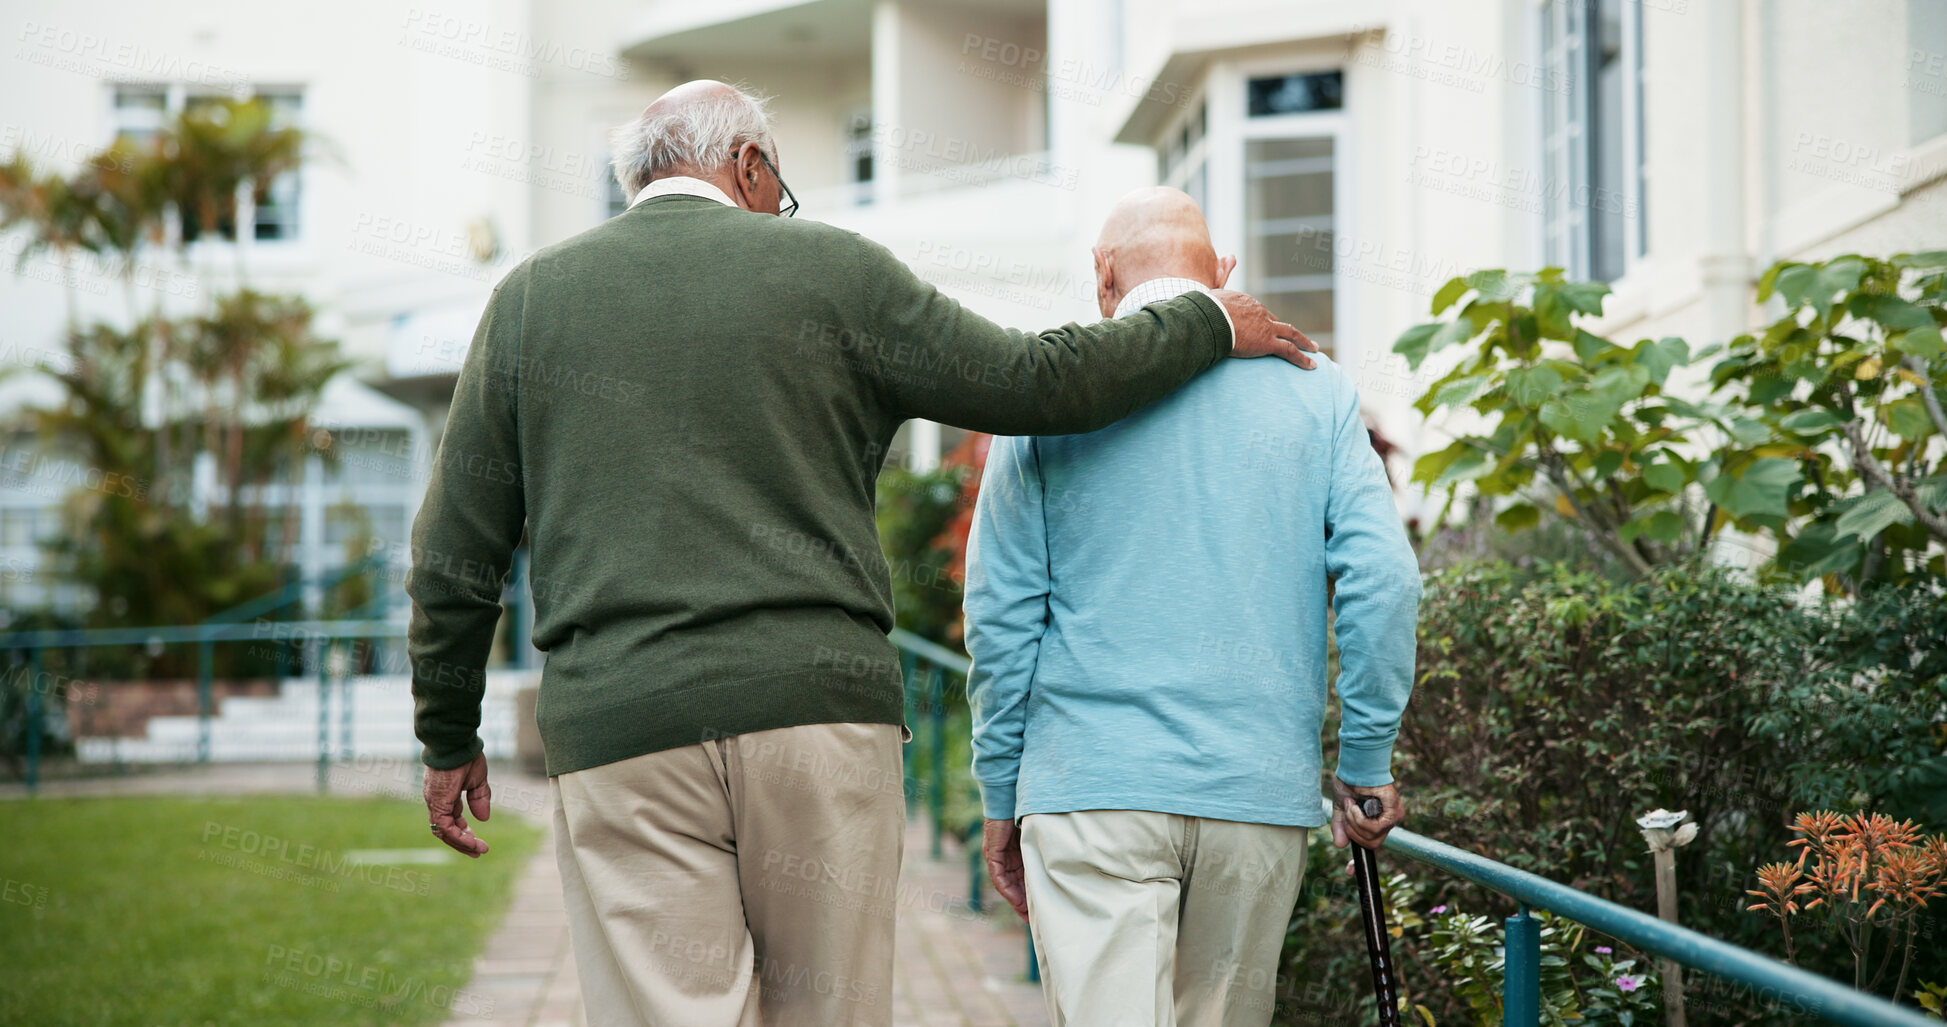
(1584, 297)
(1664, 476)
(1810, 421)
(1908, 418)
(1553, 316)
(1460, 329)
(1462, 391)
(1443, 467)
(1932, 492)
(1870, 514)
(1532, 386)
(1660, 356)
(1518, 517)
(1582, 415)
(1818, 551)
(1449, 295)
(1758, 492)
(1924, 342)
(1621, 383)
(1413, 342)
(1930, 258)
(1589, 346)
(1891, 311)
(1495, 286)
(1815, 285)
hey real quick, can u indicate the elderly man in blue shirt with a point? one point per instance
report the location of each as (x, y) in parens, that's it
(1146, 609)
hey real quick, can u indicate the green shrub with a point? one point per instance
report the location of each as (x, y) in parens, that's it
(1555, 706)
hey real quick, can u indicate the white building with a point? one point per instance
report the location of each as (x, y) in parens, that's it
(1354, 155)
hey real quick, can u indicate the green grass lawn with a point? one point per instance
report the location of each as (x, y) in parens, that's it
(242, 911)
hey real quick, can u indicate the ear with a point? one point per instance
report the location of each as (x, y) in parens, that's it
(1225, 265)
(747, 171)
(1105, 296)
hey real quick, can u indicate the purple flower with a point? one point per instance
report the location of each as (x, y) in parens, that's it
(1436, 911)
(1629, 983)
(1603, 950)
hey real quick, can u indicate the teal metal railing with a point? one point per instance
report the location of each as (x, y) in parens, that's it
(244, 622)
(1771, 981)
(928, 664)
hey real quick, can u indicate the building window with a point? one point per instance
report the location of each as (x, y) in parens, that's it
(140, 111)
(1296, 94)
(276, 210)
(1289, 184)
(1592, 137)
(858, 155)
(1183, 161)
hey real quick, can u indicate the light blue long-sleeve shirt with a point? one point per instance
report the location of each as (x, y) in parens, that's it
(1146, 605)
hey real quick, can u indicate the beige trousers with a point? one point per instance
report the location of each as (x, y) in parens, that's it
(1152, 918)
(746, 880)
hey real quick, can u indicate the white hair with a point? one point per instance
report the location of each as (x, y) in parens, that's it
(700, 134)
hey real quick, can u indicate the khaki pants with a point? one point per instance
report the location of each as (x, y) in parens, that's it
(1152, 918)
(747, 880)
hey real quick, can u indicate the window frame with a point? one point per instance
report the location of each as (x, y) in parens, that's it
(176, 98)
(1228, 131)
(1571, 245)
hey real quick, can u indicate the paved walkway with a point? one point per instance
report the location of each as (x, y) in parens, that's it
(953, 967)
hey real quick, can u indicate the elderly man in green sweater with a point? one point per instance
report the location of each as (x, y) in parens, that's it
(721, 709)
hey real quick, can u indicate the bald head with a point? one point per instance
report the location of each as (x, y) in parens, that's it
(1154, 233)
(695, 129)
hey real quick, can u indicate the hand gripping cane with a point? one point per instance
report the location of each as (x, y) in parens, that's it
(1372, 907)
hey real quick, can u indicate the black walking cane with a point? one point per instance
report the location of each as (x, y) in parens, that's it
(1379, 944)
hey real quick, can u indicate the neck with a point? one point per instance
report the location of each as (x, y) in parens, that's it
(721, 178)
(1146, 277)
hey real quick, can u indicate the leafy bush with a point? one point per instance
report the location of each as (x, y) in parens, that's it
(1824, 432)
(1849, 383)
(1554, 707)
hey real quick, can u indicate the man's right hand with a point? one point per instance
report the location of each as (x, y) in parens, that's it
(1000, 844)
(1261, 335)
(1349, 822)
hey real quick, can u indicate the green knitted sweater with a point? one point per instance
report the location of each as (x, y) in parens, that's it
(684, 410)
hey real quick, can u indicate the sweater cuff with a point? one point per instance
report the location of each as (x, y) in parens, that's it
(1230, 327)
(448, 759)
(997, 801)
(1365, 767)
(1227, 337)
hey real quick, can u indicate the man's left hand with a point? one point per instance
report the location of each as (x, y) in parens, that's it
(443, 791)
(1000, 845)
